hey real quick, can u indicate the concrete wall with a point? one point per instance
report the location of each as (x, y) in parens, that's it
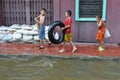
(86, 31)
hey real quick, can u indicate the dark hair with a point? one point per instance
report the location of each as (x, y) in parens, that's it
(44, 9)
(69, 12)
(99, 16)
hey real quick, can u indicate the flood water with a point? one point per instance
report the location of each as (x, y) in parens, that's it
(49, 68)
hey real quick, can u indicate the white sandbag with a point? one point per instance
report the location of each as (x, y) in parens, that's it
(26, 27)
(1, 32)
(34, 27)
(23, 32)
(11, 29)
(33, 32)
(46, 29)
(17, 36)
(36, 38)
(46, 36)
(1, 36)
(4, 28)
(7, 37)
(15, 26)
(27, 37)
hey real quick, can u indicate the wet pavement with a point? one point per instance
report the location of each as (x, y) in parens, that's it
(88, 49)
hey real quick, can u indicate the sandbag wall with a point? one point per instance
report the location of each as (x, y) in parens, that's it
(24, 33)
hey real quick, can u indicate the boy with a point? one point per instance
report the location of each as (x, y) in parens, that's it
(68, 34)
(100, 33)
(41, 21)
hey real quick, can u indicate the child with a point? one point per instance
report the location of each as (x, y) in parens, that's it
(100, 33)
(41, 20)
(68, 34)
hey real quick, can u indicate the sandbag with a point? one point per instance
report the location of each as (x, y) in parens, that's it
(23, 32)
(1, 36)
(7, 37)
(27, 37)
(15, 26)
(36, 38)
(34, 27)
(17, 36)
(33, 32)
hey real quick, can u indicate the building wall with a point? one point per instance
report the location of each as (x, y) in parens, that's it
(24, 11)
(0, 12)
(86, 31)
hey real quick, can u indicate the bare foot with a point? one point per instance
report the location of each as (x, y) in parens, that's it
(41, 47)
(62, 50)
(49, 44)
(74, 50)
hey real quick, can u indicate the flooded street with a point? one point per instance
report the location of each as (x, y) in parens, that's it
(48, 68)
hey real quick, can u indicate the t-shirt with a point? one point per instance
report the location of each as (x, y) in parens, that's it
(68, 21)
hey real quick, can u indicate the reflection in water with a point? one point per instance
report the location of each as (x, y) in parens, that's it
(48, 68)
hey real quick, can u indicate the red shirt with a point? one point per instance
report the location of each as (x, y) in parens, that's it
(68, 21)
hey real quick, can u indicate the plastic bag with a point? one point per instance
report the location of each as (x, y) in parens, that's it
(107, 33)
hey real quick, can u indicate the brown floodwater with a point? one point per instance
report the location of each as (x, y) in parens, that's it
(19, 67)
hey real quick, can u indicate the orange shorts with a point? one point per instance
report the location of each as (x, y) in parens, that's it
(100, 35)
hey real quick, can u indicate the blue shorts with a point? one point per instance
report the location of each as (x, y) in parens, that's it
(42, 32)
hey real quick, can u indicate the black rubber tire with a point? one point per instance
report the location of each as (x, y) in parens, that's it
(51, 29)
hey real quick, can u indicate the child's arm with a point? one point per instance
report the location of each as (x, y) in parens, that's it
(99, 23)
(66, 27)
(36, 19)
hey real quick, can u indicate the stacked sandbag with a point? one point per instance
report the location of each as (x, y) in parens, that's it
(15, 26)
(26, 33)
(23, 32)
(1, 36)
(35, 32)
(46, 31)
(17, 36)
(1, 33)
(7, 37)
(5, 34)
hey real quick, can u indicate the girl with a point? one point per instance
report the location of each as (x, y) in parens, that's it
(100, 33)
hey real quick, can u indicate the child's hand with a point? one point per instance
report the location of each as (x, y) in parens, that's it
(63, 28)
(35, 19)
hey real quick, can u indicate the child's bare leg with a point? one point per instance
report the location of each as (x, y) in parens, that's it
(101, 43)
(101, 47)
(63, 48)
(41, 44)
(48, 41)
(73, 46)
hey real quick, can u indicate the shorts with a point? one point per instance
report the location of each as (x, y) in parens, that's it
(100, 35)
(68, 37)
(42, 32)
